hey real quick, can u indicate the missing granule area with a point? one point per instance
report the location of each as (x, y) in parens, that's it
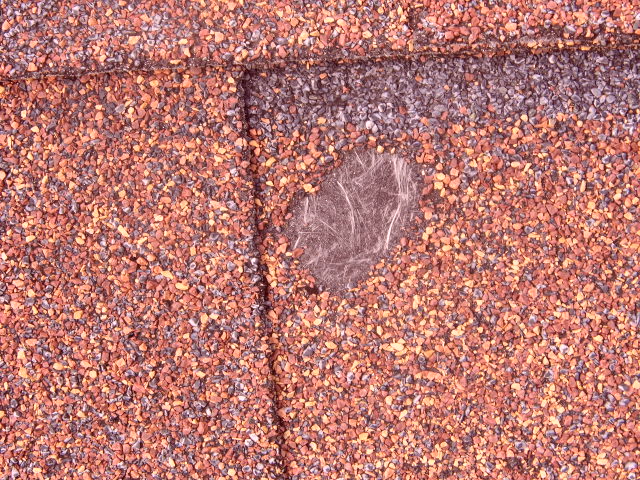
(358, 215)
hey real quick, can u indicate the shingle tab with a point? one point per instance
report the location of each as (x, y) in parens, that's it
(499, 339)
(131, 338)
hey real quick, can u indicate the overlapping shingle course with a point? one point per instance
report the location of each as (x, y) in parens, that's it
(155, 321)
(65, 37)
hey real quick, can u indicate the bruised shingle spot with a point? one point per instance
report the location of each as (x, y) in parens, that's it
(356, 217)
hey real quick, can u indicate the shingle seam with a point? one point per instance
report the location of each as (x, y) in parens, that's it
(491, 48)
(263, 285)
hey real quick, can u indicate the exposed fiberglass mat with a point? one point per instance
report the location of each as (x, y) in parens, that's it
(496, 335)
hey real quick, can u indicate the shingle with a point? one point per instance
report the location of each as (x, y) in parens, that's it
(129, 348)
(499, 337)
(65, 37)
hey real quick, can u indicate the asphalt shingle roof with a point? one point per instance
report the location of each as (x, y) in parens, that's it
(157, 322)
(68, 37)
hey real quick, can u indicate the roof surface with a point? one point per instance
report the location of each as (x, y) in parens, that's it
(156, 322)
(65, 37)
(499, 339)
(132, 341)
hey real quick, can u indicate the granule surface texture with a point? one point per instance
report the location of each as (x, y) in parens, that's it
(163, 314)
(131, 345)
(500, 337)
(68, 37)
